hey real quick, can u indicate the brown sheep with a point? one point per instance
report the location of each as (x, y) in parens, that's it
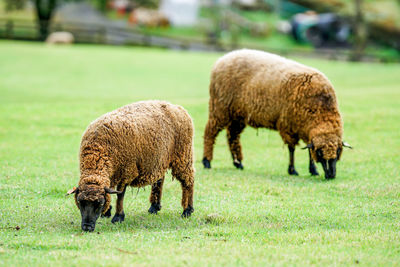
(134, 146)
(260, 89)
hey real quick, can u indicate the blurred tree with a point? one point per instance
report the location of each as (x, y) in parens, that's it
(102, 5)
(214, 34)
(322, 6)
(360, 32)
(147, 3)
(44, 11)
(14, 4)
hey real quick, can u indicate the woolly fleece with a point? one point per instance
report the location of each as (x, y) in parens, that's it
(135, 145)
(260, 89)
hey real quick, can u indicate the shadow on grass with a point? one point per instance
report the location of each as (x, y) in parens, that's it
(167, 221)
(256, 175)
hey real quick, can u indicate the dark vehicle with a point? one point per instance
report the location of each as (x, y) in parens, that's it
(321, 30)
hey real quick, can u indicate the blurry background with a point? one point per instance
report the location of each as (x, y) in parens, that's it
(355, 30)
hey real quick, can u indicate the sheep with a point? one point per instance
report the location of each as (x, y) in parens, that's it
(60, 38)
(250, 87)
(134, 146)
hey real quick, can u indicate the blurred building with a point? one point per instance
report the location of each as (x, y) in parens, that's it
(181, 12)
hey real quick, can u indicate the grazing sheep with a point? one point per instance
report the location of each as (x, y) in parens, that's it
(260, 89)
(60, 38)
(134, 146)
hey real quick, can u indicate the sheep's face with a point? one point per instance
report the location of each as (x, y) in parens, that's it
(327, 151)
(328, 156)
(90, 200)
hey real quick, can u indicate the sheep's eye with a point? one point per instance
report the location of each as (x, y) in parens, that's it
(81, 203)
(97, 205)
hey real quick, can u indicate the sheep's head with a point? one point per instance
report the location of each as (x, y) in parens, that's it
(92, 200)
(327, 150)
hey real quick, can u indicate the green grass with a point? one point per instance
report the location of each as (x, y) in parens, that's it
(48, 95)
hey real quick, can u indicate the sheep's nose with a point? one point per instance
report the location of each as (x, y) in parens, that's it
(330, 173)
(87, 227)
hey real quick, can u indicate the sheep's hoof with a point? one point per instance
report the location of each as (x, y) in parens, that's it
(154, 208)
(327, 177)
(292, 171)
(108, 213)
(313, 170)
(187, 212)
(238, 164)
(206, 163)
(118, 218)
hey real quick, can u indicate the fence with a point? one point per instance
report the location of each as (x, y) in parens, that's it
(119, 35)
(100, 34)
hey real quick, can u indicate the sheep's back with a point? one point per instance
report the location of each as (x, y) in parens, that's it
(245, 70)
(252, 84)
(141, 135)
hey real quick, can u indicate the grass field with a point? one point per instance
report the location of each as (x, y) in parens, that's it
(48, 95)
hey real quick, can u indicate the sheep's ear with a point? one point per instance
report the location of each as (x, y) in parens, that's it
(308, 146)
(111, 191)
(74, 190)
(344, 144)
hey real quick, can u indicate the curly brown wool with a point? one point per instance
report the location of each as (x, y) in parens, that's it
(134, 146)
(260, 89)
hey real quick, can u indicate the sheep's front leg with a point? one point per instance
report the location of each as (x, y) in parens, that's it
(184, 173)
(108, 213)
(187, 199)
(312, 168)
(155, 196)
(119, 213)
(292, 170)
(187, 194)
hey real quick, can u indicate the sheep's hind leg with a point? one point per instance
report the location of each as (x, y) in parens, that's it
(187, 199)
(233, 134)
(187, 183)
(210, 134)
(292, 170)
(119, 213)
(155, 196)
(312, 168)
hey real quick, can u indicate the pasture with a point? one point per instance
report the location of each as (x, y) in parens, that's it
(48, 95)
